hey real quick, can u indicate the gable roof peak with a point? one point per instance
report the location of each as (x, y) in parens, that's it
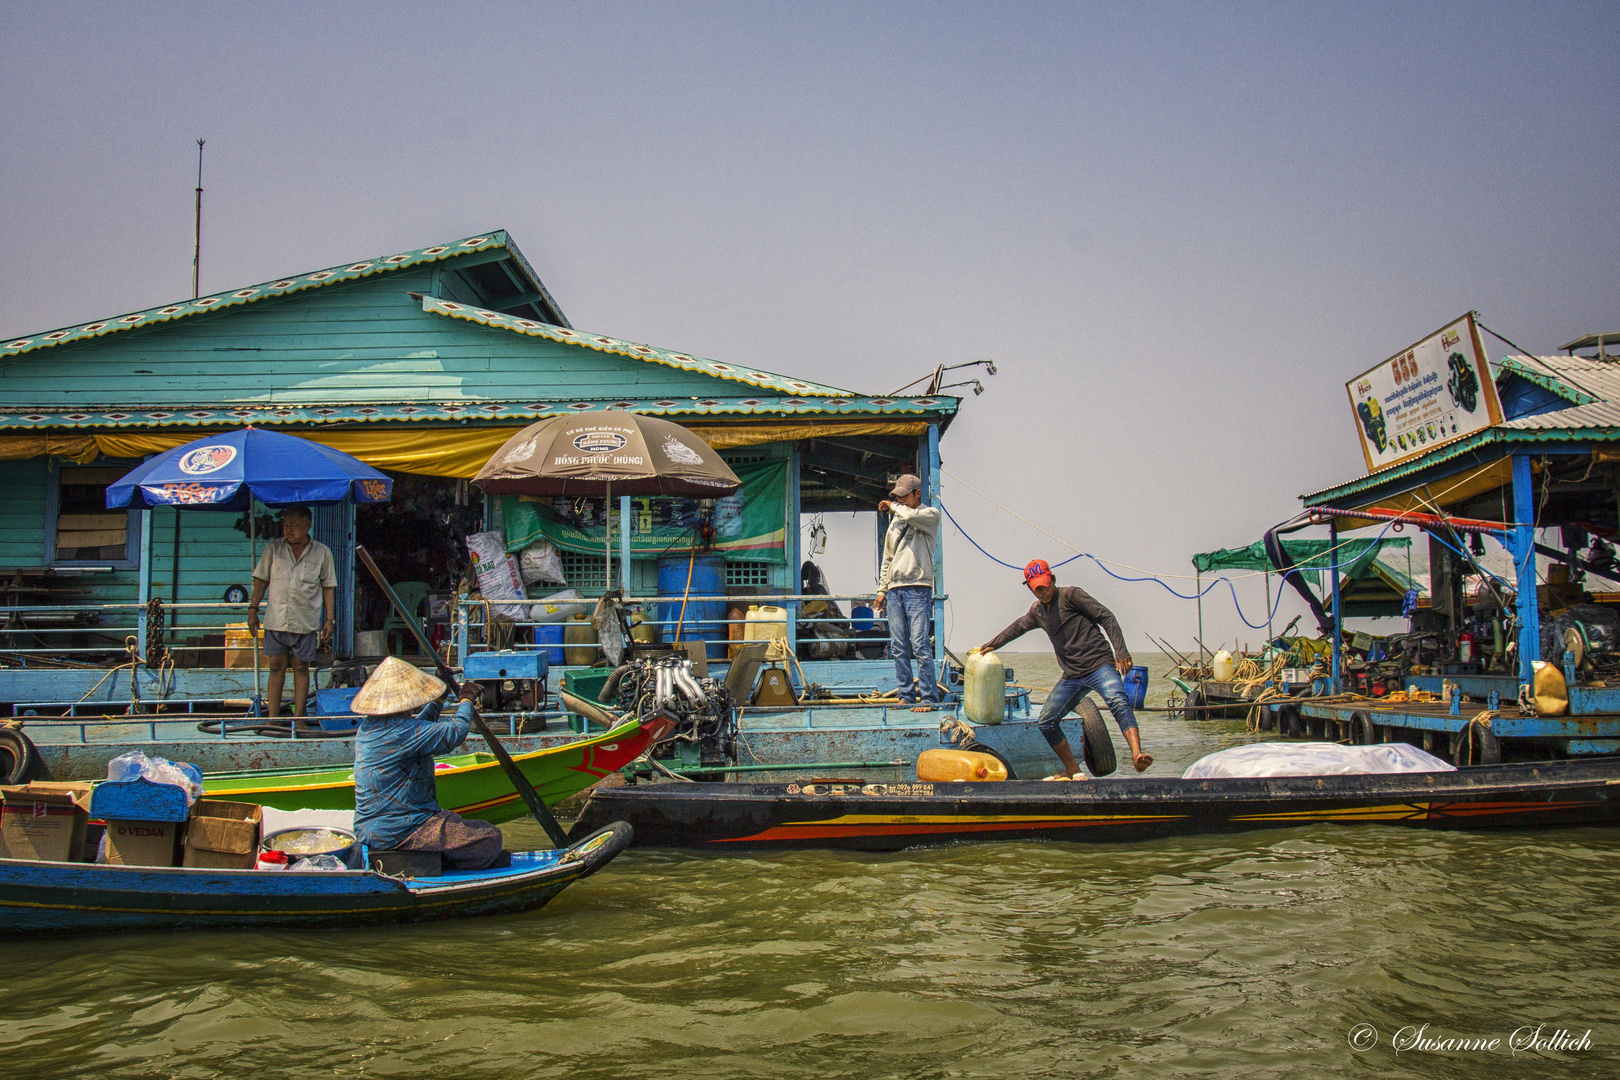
(495, 240)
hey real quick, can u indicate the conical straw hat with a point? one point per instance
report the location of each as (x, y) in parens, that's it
(396, 687)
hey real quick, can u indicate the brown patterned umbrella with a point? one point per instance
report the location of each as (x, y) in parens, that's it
(607, 453)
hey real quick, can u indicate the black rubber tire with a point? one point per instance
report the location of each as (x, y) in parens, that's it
(974, 746)
(19, 761)
(1480, 747)
(1192, 708)
(1362, 732)
(1288, 721)
(1096, 748)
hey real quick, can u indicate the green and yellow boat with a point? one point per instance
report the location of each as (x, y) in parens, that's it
(473, 785)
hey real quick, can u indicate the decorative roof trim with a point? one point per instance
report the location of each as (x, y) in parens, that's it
(1507, 437)
(1574, 395)
(751, 376)
(278, 287)
(460, 412)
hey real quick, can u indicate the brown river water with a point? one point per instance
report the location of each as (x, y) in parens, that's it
(1220, 956)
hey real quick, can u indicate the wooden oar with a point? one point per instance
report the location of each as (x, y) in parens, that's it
(513, 773)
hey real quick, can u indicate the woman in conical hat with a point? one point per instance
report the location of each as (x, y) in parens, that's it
(395, 804)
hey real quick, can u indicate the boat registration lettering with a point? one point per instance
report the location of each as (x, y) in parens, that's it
(898, 789)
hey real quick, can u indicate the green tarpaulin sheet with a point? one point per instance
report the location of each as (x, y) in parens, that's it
(749, 525)
(1311, 556)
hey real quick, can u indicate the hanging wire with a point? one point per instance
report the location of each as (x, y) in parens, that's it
(1272, 607)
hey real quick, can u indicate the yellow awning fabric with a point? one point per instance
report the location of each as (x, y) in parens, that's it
(455, 453)
(80, 448)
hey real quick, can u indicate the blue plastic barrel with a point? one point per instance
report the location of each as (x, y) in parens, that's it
(704, 620)
(860, 617)
(549, 635)
(1136, 681)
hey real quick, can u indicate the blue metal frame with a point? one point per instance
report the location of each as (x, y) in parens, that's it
(1338, 621)
(930, 479)
(1524, 562)
(133, 533)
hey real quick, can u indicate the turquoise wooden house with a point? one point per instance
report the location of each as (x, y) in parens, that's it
(419, 363)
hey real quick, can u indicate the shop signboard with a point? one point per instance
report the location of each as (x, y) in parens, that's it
(1435, 392)
(748, 525)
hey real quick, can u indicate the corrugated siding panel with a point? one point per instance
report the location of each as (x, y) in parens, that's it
(367, 341)
(22, 513)
(213, 557)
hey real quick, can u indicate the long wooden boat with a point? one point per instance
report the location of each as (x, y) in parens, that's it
(890, 816)
(473, 785)
(84, 898)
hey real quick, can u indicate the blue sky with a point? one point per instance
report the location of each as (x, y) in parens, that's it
(1178, 229)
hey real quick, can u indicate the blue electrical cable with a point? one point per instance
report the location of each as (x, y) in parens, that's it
(1271, 615)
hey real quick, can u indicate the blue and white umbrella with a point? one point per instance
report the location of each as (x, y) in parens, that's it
(225, 472)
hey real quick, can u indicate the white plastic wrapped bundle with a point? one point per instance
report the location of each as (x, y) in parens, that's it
(1314, 759)
(181, 774)
(540, 562)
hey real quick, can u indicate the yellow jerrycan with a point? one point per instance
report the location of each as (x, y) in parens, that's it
(1552, 694)
(984, 695)
(948, 765)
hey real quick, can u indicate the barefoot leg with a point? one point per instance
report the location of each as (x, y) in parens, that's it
(1138, 758)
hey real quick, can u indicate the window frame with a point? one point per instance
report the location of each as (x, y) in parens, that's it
(53, 503)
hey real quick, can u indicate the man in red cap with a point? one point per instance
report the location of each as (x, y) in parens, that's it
(1091, 653)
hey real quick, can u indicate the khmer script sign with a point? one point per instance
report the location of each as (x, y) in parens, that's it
(1438, 391)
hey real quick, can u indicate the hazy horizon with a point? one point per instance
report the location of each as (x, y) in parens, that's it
(1177, 229)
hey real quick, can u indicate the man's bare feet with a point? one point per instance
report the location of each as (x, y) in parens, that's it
(1062, 776)
(922, 708)
(1142, 761)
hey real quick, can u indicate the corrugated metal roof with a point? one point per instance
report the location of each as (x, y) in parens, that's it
(529, 327)
(1592, 388)
(1598, 404)
(316, 279)
(26, 419)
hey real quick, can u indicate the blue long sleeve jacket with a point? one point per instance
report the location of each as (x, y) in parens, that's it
(393, 771)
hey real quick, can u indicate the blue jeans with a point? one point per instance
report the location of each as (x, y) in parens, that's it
(910, 607)
(1109, 686)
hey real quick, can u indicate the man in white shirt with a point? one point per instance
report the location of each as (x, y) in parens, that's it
(906, 588)
(299, 576)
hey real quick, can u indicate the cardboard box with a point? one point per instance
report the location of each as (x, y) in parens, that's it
(222, 835)
(142, 843)
(240, 647)
(44, 821)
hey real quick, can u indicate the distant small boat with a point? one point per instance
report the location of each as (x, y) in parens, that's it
(852, 814)
(85, 898)
(472, 785)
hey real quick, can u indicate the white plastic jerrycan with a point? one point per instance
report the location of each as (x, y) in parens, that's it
(984, 699)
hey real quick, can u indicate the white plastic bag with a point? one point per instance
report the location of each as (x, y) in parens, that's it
(319, 862)
(182, 774)
(1314, 759)
(498, 577)
(558, 607)
(541, 562)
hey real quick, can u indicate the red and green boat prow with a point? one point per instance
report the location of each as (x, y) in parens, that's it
(473, 785)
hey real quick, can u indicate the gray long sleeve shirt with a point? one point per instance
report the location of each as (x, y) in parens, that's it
(1076, 623)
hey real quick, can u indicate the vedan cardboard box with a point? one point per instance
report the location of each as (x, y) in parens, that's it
(142, 843)
(43, 821)
(222, 835)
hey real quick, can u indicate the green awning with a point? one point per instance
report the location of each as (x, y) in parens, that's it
(1311, 556)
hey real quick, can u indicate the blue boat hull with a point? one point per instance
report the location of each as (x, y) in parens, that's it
(82, 898)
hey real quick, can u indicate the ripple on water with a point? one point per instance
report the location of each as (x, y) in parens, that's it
(1222, 956)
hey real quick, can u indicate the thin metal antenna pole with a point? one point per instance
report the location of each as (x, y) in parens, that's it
(196, 251)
